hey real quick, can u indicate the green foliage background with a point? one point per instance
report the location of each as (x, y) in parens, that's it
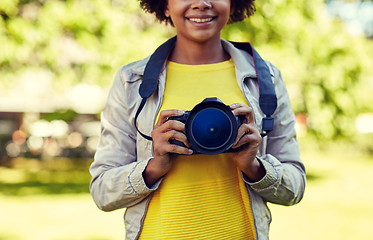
(328, 72)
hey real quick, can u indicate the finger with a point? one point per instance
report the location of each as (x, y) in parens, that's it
(252, 140)
(169, 125)
(235, 105)
(238, 105)
(179, 136)
(168, 143)
(165, 114)
(174, 125)
(169, 130)
(243, 110)
(172, 148)
(166, 147)
(242, 130)
(244, 134)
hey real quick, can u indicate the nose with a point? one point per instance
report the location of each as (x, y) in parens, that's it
(201, 4)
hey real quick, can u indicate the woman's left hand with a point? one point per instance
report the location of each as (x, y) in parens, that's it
(250, 139)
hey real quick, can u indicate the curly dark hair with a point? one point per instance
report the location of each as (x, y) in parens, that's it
(242, 9)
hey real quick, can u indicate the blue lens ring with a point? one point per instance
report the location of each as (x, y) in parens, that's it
(211, 128)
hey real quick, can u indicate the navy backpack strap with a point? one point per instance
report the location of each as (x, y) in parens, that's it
(267, 94)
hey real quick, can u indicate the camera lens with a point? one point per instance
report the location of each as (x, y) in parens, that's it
(211, 128)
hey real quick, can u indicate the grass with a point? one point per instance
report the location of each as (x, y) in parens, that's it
(32, 177)
(57, 217)
(50, 200)
(337, 202)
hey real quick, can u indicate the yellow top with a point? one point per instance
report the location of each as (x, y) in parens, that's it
(203, 196)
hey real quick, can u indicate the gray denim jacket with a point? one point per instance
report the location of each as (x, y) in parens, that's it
(122, 154)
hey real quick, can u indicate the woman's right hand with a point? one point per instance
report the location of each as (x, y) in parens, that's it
(164, 131)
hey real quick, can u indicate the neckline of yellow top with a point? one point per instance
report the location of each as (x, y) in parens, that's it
(267, 94)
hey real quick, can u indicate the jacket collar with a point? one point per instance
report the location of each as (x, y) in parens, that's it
(243, 61)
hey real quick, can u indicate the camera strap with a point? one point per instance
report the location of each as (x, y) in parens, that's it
(267, 94)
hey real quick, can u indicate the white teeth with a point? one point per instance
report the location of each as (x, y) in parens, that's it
(200, 20)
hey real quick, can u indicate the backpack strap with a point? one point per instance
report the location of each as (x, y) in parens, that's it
(267, 94)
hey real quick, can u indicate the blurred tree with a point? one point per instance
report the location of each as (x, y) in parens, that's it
(75, 40)
(328, 72)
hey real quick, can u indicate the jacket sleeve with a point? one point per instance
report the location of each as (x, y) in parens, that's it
(284, 182)
(117, 180)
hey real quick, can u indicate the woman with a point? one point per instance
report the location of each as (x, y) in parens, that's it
(169, 192)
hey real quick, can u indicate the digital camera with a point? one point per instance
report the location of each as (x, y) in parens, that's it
(210, 127)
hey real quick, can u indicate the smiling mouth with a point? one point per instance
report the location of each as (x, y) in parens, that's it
(201, 20)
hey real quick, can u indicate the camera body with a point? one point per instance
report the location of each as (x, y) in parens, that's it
(210, 127)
